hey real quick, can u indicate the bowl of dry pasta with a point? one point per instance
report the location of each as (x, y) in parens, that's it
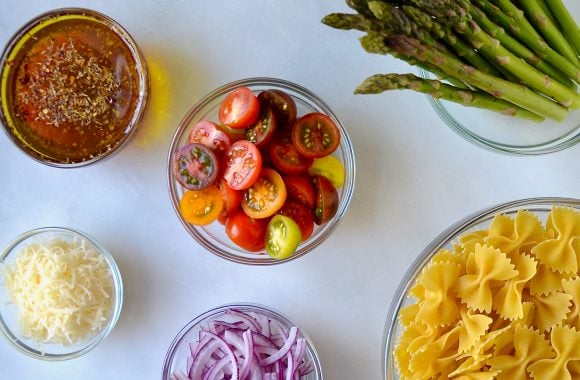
(495, 296)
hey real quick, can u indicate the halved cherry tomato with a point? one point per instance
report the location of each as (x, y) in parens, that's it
(239, 109)
(315, 135)
(329, 167)
(262, 131)
(287, 159)
(282, 104)
(243, 163)
(235, 134)
(232, 200)
(300, 188)
(265, 196)
(301, 215)
(195, 166)
(326, 200)
(246, 232)
(201, 207)
(211, 135)
(282, 237)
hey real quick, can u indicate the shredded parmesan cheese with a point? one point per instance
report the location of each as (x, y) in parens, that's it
(63, 290)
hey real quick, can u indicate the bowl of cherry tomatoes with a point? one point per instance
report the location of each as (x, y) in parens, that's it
(260, 171)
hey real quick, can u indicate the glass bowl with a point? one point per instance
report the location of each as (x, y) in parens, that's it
(476, 221)
(99, 107)
(213, 236)
(176, 359)
(506, 134)
(9, 323)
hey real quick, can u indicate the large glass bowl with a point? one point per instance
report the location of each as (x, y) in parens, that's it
(9, 324)
(506, 134)
(476, 221)
(32, 143)
(177, 356)
(213, 236)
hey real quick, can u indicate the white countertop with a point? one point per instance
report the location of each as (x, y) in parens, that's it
(415, 177)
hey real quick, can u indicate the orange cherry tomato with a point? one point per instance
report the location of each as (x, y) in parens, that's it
(266, 196)
(201, 207)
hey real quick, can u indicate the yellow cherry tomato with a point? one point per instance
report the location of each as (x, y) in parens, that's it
(329, 167)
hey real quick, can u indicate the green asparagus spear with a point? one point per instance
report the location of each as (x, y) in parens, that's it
(538, 45)
(514, 93)
(517, 48)
(459, 17)
(547, 10)
(382, 82)
(549, 30)
(518, 15)
(567, 23)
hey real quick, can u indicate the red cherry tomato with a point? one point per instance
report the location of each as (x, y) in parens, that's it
(246, 232)
(300, 188)
(262, 131)
(287, 159)
(195, 166)
(301, 215)
(232, 200)
(326, 200)
(239, 109)
(243, 164)
(211, 135)
(266, 196)
(282, 104)
(315, 135)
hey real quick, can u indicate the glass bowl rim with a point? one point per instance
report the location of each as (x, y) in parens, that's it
(141, 69)
(554, 145)
(222, 308)
(345, 145)
(115, 312)
(469, 221)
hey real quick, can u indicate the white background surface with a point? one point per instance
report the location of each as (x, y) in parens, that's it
(415, 177)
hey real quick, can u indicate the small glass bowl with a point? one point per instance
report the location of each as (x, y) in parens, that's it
(179, 351)
(505, 134)
(213, 236)
(9, 312)
(19, 44)
(476, 221)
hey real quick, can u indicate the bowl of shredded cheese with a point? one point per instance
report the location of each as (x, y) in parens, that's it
(61, 293)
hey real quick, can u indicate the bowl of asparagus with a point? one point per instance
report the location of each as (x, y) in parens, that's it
(503, 74)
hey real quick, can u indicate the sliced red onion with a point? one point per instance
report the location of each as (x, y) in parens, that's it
(284, 349)
(228, 350)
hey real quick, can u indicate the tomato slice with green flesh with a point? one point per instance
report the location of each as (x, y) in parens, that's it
(315, 135)
(211, 135)
(262, 131)
(232, 200)
(300, 188)
(195, 166)
(239, 109)
(282, 237)
(301, 215)
(329, 167)
(246, 232)
(287, 159)
(282, 104)
(243, 164)
(326, 200)
(266, 196)
(201, 207)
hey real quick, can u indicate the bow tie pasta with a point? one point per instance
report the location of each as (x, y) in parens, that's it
(504, 303)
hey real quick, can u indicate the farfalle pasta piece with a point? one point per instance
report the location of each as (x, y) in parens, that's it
(473, 327)
(565, 341)
(515, 235)
(482, 350)
(562, 252)
(547, 281)
(408, 314)
(508, 300)
(439, 304)
(482, 375)
(551, 310)
(572, 287)
(529, 347)
(435, 357)
(445, 255)
(485, 267)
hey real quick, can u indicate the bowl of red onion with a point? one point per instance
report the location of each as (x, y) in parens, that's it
(241, 341)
